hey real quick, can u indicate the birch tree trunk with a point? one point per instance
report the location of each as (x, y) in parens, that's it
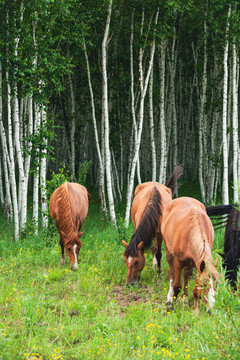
(43, 173)
(235, 125)
(151, 121)
(163, 136)
(143, 89)
(73, 126)
(106, 116)
(225, 194)
(36, 171)
(12, 162)
(101, 167)
(201, 134)
(5, 157)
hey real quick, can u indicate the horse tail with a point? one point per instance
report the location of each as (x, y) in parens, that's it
(172, 181)
(219, 210)
(148, 226)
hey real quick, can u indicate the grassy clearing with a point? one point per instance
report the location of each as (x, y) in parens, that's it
(50, 312)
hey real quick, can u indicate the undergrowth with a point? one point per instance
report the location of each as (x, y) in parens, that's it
(49, 312)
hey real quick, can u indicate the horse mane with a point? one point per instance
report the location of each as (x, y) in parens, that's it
(232, 238)
(172, 181)
(147, 227)
(66, 213)
(199, 244)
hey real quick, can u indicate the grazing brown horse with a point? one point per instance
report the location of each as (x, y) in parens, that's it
(188, 237)
(149, 200)
(68, 208)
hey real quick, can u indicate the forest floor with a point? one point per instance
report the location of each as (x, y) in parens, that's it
(50, 312)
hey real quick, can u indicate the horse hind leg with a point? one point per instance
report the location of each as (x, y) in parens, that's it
(178, 271)
(171, 275)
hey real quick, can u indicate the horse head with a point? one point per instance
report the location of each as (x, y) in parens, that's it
(72, 246)
(135, 262)
(205, 288)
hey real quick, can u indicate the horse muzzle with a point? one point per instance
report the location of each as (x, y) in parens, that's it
(74, 266)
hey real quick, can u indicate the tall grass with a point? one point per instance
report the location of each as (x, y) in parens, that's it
(50, 312)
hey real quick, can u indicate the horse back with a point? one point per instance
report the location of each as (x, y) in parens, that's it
(141, 198)
(79, 203)
(182, 218)
(68, 206)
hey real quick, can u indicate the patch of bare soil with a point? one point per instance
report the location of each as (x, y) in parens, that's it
(125, 297)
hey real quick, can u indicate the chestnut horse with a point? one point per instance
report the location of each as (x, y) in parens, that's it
(68, 208)
(149, 200)
(231, 255)
(188, 237)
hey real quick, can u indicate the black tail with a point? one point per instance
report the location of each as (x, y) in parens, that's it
(172, 181)
(219, 210)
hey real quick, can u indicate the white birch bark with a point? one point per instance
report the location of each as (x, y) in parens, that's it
(5, 159)
(235, 125)
(143, 89)
(202, 134)
(101, 167)
(163, 136)
(73, 125)
(225, 194)
(151, 121)
(106, 116)
(12, 162)
(43, 176)
(173, 64)
(36, 171)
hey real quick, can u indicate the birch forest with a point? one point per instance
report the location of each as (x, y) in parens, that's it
(131, 88)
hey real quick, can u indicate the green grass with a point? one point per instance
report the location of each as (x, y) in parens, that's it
(50, 312)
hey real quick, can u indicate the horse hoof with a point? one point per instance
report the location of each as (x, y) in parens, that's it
(169, 306)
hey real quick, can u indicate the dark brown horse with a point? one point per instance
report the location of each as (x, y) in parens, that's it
(231, 255)
(149, 200)
(188, 237)
(68, 208)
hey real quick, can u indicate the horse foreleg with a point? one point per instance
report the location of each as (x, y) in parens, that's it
(187, 274)
(62, 253)
(178, 271)
(171, 275)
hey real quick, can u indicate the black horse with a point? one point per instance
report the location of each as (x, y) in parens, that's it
(231, 255)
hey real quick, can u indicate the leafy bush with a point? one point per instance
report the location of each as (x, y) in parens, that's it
(83, 171)
(56, 180)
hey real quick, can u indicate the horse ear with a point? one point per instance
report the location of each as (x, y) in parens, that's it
(140, 245)
(202, 266)
(81, 233)
(124, 243)
(222, 255)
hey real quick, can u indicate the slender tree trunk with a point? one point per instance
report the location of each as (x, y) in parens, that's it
(143, 89)
(225, 195)
(163, 145)
(73, 126)
(12, 163)
(43, 173)
(235, 126)
(36, 171)
(151, 121)
(5, 157)
(101, 168)
(106, 116)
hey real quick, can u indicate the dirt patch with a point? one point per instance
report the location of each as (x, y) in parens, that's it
(125, 297)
